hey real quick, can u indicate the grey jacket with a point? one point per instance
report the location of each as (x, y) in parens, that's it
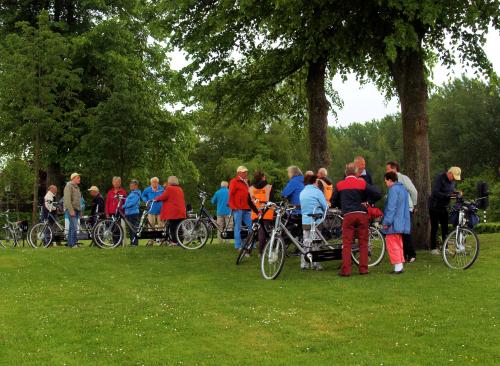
(408, 184)
(72, 197)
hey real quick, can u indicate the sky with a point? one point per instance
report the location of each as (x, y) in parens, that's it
(364, 102)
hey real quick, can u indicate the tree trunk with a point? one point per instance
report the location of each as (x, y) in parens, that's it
(408, 71)
(54, 176)
(36, 169)
(317, 106)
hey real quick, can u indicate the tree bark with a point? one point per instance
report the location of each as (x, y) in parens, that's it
(317, 106)
(408, 72)
(36, 169)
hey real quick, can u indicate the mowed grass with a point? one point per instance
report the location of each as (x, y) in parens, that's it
(168, 306)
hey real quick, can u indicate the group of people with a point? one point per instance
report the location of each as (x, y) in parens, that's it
(166, 204)
(355, 195)
(310, 193)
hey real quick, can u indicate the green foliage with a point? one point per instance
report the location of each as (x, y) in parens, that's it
(16, 180)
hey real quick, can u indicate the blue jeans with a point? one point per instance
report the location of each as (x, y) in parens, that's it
(240, 216)
(134, 220)
(73, 228)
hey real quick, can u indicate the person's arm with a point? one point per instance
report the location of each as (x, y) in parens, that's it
(145, 195)
(67, 199)
(109, 200)
(410, 187)
(322, 201)
(437, 188)
(214, 198)
(288, 190)
(373, 194)
(390, 209)
(232, 192)
(335, 200)
(162, 197)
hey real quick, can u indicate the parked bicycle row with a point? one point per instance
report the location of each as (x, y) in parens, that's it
(313, 218)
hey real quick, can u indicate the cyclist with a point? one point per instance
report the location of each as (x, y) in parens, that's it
(221, 200)
(131, 207)
(50, 207)
(312, 201)
(443, 189)
(396, 220)
(260, 193)
(325, 184)
(239, 202)
(73, 206)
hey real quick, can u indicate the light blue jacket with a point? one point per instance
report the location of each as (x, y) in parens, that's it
(132, 202)
(312, 201)
(148, 195)
(221, 199)
(397, 211)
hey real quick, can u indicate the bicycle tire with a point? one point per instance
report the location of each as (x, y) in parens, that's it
(40, 235)
(192, 234)
(246, 248)
(381, 251)
(448, 251)
(108, 234)
(275, 258)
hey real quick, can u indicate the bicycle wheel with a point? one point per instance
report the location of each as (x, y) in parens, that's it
(8, 238)
(40, 235)
(272, 259)
(192, 234)
(247, 247)
(460, 248)
(108, 234)
(376, 248)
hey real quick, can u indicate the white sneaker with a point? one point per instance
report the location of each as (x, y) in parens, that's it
(435, 252)
(317, 267)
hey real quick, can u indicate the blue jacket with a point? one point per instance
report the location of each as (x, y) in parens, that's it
(397, 211)
(148, 195)
(293, 189)
(221, 199)
(312, 201)
(132, 202)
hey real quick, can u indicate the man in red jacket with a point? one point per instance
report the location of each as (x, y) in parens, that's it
(111, 199)
(239, 203)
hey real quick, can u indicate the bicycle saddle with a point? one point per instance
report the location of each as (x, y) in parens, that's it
(315, 215)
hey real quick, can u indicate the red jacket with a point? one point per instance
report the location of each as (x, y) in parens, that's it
(238, 194)
(174, 207)
(112, 202)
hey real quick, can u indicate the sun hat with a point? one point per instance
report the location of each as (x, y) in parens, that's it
(93, 189)
(456, 172)
(74, 175)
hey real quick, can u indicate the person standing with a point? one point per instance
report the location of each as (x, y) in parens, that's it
(443, 189)
(49, 208)
(360, 164)
(408, 245)
(351, 195)
(149, 194)
(223, 212)
(396, 220)
(325, 184)
(260, 193)
(132, 213)
(239, 202)
(97, 205)
(72, 205)
(112, 198)
(312, 201)
(173, 208)
(294, 186)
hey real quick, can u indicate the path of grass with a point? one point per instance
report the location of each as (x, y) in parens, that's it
(168, 306)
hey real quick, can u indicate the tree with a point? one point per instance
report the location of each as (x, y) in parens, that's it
(240, 51)
(394, 42)
(38, 97)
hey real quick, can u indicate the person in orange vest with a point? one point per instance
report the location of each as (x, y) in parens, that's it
(325, 184)
(260, 193)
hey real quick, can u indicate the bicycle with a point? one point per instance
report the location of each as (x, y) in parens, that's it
(252, 238)
(12, 232)
(461, 247)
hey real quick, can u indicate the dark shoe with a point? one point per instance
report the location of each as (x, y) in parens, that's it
(363, 273)
(344, 275)
(398, 272)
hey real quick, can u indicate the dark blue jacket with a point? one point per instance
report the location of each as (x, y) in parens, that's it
(442, 188)
(293, 189)
(352, 192)
(397, 210)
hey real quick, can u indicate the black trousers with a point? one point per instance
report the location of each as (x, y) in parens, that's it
(172, 228)
(408, 245)
(134, 221)
(439, 216)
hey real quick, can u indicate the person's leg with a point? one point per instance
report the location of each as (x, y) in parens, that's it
(433, 215)
(238, 216)
(172, 227)
(347, 236)
(73, 226)
(133, 233)
(363, 233)
(263, 235)
(247, 219)
(443, 221)
(307, 240)
(408, 245)
(395, 248)
(221, 222)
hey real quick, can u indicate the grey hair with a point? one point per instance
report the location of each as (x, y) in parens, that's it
(115, 178)
(134, 181)
(224, 184)
(294, 170)
(351, 169)
(172, 180)
(323, 171)
(154, 179)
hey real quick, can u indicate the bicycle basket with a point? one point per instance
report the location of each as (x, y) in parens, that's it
(453, 217)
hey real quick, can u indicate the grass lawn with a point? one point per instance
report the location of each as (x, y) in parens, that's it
(168, 306)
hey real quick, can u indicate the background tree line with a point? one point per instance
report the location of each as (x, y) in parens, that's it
(86, 86)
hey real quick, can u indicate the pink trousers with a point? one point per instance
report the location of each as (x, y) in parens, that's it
(394, 243)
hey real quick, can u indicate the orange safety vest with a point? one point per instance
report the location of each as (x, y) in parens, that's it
(260, 196)
(327, 190)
